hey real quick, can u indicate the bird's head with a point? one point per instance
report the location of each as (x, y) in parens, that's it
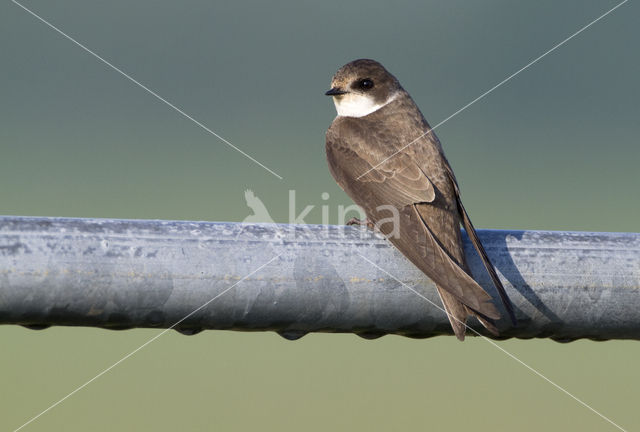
(362, 87)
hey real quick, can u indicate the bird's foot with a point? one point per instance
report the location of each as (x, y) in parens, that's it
(366, 222)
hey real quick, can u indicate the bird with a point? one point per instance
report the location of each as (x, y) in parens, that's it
(382, 152)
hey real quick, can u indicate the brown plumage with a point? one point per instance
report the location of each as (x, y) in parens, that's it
(377, 118)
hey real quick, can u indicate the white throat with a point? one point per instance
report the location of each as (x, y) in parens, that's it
(358, 105)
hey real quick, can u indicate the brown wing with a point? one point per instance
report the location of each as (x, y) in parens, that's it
(471, 232)
(429, 239)
(400, 186)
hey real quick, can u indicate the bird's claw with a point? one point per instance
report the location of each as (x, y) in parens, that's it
(366, 222)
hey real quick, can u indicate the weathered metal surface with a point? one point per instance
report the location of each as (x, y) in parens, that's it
(122, 274)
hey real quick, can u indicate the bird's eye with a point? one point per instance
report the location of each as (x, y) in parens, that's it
(365, 84)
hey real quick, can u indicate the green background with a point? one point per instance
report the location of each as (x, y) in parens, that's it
(554, 148)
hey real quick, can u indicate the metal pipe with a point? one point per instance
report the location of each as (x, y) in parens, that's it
(121, 274)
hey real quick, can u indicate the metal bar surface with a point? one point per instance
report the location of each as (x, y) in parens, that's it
(121, 274)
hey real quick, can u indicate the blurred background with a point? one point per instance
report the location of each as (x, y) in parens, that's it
(555, 148)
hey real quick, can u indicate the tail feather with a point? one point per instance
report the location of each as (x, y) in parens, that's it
(456, 312)
(468, 226)
(487, 322)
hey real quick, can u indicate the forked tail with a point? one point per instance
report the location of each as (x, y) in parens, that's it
(471, 231)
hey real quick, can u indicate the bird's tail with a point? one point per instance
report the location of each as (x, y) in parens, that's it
(458, 313)
(471, 231)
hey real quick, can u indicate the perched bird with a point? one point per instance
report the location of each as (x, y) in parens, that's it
(382, 153)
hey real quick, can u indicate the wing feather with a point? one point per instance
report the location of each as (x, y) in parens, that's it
(477, 244)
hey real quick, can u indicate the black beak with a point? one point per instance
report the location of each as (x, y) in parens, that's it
(336, 91)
